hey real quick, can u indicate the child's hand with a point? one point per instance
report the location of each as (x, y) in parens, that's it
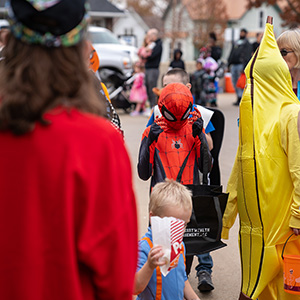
(161, 122)
(155, 131)
(197, 127)
(296, 231)
(197, 122)
(157, 91)
(194, 115)
(153, 257)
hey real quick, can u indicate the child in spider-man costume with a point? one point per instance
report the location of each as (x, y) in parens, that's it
(174, 138)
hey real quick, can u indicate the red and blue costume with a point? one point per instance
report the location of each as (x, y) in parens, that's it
(173, 138)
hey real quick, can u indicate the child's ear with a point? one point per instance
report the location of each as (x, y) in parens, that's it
(188, 85)
(150, 215)
(4, 36)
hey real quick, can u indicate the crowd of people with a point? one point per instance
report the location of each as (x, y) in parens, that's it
(204, 79)
(68, 209)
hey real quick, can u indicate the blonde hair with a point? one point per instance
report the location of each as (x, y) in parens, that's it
(182, 75)
(291, 39)
(167, 193)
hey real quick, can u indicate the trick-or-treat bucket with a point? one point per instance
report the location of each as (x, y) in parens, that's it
(291, 271)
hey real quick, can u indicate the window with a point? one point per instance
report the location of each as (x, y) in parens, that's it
(261, 19)
(103, 37)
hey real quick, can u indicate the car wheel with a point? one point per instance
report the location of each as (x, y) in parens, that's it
(110, 78)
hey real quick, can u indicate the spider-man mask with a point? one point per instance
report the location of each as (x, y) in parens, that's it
(175, 104)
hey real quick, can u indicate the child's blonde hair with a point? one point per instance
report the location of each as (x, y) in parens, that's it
(182, 75)
(140, 66)
(167, 193)
(291, 39)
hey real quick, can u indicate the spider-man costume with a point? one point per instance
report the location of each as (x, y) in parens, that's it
(167, 142)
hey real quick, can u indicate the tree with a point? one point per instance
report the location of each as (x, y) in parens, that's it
(144, 8)
(213, 17)
(290, 9)
(207, 16)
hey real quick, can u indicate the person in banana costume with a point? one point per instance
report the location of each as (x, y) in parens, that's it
(264, 186)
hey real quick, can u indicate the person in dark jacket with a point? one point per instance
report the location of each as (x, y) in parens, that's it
(152, 65)
(177, 62)
(239, 56)
(255, 45)
(215, 51)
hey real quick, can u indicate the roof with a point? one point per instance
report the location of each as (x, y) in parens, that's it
(138, 18)
(104, 8)
(100, 8)
(235, 9)
(196, 9)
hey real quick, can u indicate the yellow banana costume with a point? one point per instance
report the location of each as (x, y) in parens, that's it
(264, 185)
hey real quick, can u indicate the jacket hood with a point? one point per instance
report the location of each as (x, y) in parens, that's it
(177, 51)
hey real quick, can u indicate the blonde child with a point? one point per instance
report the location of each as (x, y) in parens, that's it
(145, 50)
(168, 199)
(138, 93)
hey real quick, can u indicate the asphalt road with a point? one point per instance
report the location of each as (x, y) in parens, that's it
(226, 270)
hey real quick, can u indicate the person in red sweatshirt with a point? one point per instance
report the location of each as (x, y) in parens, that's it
(67, 207)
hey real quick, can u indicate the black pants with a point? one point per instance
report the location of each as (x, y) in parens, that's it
(151, 82)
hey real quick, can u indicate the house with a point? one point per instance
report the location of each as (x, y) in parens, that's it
(102, 12)
(131, 28)
(194, 27)
(188, 23)
(253, 20)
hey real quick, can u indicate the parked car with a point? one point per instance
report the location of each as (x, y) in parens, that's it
(113, 55)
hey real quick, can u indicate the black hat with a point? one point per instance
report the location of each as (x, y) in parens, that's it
(52, 22)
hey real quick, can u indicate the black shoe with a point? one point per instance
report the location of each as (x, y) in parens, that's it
(213, 104)
(204, 282)
(237, 103)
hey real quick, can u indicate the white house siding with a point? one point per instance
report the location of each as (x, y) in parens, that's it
(186, 44)
(255, 19)
(131, 24)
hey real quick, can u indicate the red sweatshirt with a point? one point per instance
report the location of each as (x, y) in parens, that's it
(68, 228)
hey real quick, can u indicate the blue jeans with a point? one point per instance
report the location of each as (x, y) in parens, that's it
(236, 71)
(205, 263)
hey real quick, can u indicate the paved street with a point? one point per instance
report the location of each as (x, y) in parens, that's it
(226, 271)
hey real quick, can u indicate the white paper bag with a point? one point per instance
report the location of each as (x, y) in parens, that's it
(168, 233)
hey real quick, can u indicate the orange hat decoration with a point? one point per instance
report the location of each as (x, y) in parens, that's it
(94, 60)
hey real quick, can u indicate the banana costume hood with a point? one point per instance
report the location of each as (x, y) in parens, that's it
(264, 185)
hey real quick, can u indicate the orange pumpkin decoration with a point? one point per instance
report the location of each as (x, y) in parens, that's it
(94, 60)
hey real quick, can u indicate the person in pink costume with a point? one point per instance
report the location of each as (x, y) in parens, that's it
(138, 93)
